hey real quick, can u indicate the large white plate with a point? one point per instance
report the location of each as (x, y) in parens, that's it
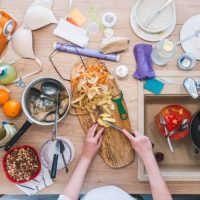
(193, 45)
(152, 37)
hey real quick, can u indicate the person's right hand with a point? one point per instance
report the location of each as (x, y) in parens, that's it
(140, 143)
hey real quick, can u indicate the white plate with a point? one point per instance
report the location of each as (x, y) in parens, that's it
(152, 37)
(193, 45)
(146, 8)
(48, 149)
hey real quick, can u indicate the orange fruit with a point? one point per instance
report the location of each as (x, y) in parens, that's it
(12, 108)
(4, 96)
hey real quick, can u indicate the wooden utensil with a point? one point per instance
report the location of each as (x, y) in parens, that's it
(116, 149)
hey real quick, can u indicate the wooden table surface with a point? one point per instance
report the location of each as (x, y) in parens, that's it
(99, 174)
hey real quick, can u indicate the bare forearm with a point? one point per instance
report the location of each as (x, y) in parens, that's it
(74, 185)
(159, 188)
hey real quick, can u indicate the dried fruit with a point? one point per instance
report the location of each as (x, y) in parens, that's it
(22, 164)
(159, 156)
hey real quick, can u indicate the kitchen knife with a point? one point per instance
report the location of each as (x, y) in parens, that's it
(120, 130)
(55, 159)
(62, 149)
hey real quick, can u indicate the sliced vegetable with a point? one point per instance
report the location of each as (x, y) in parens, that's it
(109, 119)
(105, 115)
(102, 123)
(78, 99)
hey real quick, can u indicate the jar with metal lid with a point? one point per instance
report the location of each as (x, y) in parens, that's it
(163, 52)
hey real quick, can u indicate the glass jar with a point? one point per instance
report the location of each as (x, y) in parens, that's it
(163, 52)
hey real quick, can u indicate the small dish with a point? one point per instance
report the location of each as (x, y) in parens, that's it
(173, 112)
(47, 153)
(146, 8)
(152, 37)
(5, 164)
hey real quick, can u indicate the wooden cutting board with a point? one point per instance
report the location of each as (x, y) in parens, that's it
(116, 149)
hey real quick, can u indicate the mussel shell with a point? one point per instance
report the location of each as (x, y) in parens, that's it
(50, 117)
(63, 106)
(33, 94)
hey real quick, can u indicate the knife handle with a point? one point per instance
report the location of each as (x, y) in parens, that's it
(54, 166)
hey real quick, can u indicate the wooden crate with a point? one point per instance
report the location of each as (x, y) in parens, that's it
(180, 165)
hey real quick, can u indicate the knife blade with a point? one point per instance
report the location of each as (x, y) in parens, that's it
(55, 160)
(62, 149)
(117, 128)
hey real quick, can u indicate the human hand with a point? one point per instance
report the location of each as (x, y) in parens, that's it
(140, 143)
(92, 143)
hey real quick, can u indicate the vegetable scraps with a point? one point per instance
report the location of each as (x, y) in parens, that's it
(93, 94)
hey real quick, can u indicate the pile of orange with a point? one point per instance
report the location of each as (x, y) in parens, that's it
(4, 96)
(11, 108)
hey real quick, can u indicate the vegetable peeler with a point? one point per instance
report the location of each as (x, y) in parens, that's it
(122, 111)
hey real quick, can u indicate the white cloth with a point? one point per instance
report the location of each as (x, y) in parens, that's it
(104, 193)
(42, 181)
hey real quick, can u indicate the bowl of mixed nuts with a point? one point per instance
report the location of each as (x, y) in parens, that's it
(21, 164)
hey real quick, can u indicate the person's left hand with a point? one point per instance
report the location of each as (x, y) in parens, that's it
(92, 143)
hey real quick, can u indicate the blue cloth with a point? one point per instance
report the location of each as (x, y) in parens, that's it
(153, 85)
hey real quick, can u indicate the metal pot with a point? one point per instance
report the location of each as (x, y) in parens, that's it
(195, 129)
(26, 110)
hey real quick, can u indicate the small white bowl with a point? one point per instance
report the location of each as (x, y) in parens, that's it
(146, 8)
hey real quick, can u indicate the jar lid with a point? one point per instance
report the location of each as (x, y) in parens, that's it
(108, 32)
(109, 19)
(168, 45)
(121, 71)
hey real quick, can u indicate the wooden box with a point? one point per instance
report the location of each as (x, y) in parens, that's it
(181, 165)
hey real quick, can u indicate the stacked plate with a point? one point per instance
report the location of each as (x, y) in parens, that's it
(159, 28)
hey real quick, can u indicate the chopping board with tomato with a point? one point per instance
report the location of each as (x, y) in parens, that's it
(93, 91)
(174, 116)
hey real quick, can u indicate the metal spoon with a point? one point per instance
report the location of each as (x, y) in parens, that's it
(51, 88)
(195, 34)
(55, 128)
(164, 124)
(182, 127)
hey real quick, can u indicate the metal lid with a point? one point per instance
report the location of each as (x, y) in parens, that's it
(168, 45)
